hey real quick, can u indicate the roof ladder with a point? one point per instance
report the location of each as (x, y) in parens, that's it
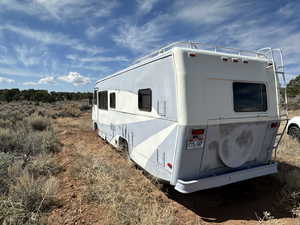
(276, 58)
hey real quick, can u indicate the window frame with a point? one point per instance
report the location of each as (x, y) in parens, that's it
(112, 96)
(140, 105)
(265, 105)
(100, 98)
(95, 97)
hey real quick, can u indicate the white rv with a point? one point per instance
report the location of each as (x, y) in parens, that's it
(195, 117)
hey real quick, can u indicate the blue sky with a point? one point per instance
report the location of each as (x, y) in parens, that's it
(66, 45)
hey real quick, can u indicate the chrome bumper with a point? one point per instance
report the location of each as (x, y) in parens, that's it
(228, 178)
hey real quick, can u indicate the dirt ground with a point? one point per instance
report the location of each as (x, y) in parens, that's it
(236, 204)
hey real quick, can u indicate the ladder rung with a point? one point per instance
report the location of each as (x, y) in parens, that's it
(281, 72)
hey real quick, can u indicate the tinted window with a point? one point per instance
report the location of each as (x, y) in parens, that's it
(112, 100)
(145, 99)
(249, 97)
(95, 98)
(102, 96)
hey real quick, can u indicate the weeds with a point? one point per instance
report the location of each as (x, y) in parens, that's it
(38, 123)
(27, 185)
(115, 187)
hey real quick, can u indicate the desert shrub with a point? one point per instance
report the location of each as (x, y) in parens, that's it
(43, 165)
(14, 213)
(5, 123)
(115, 187)
(35, 194)
(38, 123)
(5, 161)
(27, 198)
(41, 142)
(85, 107)
(8, 140)
(69, 110)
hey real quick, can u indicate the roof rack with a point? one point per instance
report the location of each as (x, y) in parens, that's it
(198, 45)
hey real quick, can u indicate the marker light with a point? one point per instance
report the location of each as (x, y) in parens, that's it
(198, 132)
(192, 54)
(170, 165)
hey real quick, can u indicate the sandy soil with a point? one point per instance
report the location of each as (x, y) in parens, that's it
(241, 203)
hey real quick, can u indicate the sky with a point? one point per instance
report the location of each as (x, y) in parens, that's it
(67, 45)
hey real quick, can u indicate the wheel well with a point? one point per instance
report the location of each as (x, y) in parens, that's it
(292, 125)
(123, 144)
(95, 126)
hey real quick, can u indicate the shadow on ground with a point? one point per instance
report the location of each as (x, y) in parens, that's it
(246, 200)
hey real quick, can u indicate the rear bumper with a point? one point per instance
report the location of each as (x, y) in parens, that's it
(228, 178)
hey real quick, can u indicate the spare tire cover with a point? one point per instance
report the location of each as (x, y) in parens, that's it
(237, 147)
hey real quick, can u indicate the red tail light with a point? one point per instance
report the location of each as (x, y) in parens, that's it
(192, 54)
(170, 165)
(198, 132)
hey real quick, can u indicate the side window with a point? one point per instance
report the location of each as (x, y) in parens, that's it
(112, 100)
(249, 97)
(95, 98)
(102, 95)
(145, 99)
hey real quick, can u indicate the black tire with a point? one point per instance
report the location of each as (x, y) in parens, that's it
(294, 131)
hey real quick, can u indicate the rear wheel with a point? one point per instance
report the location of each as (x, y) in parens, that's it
(294, 131)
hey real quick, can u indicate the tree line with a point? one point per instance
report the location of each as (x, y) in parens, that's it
(8, 95)
(15, 94)
(293, 87)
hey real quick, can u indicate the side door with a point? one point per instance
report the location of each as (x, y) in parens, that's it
(95, 105)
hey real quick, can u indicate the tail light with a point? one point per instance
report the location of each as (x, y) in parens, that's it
(196, 139)
(198, 132)
(170, 165)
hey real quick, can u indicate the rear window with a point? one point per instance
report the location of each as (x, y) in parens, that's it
(249, 97)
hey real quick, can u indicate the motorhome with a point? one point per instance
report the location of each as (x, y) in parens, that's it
(196, 117)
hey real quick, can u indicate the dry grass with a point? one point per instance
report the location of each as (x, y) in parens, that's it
(27, 185)
(114, 186)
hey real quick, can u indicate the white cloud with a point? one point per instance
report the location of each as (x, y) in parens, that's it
(47, 80)
(6, 80)
(51, 38)
(206, 12)
(17, 72)
(75, 78)
(29, 56)
(97, 58)
(44, 80)
(61, 9)
(289, 9)
(145, 6)
(30, 83)
(7, 60)
(92, 31)
(92, 67)
(142, 38)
